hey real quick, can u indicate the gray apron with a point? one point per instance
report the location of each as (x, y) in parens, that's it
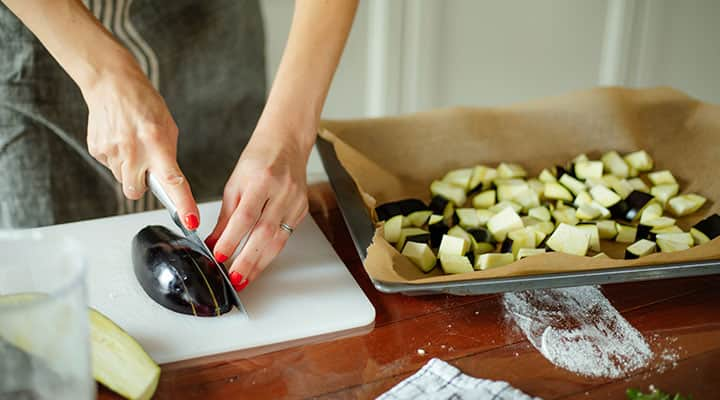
(205, 57)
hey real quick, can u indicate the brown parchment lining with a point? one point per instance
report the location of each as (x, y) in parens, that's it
(397, 157)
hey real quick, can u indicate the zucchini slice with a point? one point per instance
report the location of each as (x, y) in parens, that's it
(556, 191)
(640, 161)
(392, 229)
(642, 247)
(661, 177)
(569, 239)
(452, 245)
(412, 235)
(615, 164)
(421, 255)
(449, 191)
(707, 229)
(493, 260)
(503, 222)
(588, 169)
(484, 199)
(454, 264)
(664, 192)
(400, 207)
(685, 204)
(606, 197)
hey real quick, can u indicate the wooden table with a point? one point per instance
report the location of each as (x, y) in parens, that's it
(470, 332)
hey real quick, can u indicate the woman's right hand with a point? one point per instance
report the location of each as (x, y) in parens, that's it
(131, 131)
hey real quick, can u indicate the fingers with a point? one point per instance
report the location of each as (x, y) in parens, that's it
(243, 218)
(177, 187)
(133, 179)
(229, 204)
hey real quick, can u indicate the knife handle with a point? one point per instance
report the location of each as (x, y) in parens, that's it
(161, 195)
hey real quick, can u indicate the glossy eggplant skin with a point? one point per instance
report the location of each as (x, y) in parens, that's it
(177, 275)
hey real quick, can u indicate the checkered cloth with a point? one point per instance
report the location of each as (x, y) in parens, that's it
(440, 380)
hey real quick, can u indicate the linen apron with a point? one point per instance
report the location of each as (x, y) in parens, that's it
(206, 58)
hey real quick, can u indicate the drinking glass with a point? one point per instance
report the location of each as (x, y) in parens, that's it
(44, 334)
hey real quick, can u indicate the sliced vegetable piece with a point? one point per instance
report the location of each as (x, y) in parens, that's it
(588, 169)
(606, 229)
(633, 206)
(482, 177)
(622, 187)
(400, 207)
(437, 228)
(459, 232)
(524, 252)
(484, 199)
(545, 227)
(484, 216)
(506, 204)
(582, 198)
(661, 177)
(639, 184)
(511, 170)
(503, 222)
(454, 264)
(592, 231)
(587, 212)
(604, 196)
(493, 260)
(685, 204)
(569, 239)
(541, 213)
(546, 176)
(536, 186)
(707, 229)
(468, 218)
(615, 164)
(664, 192)
(452, 245)
(668, 246)
(438, 204)
(651, 211)
(418, 218)
(459, 177)
(625, 233)
(412, 235)
(392, 228)
(600, 255)
(639, 160)
(509, 190)
(660, 222)
(481, 235)
(556, 191)
(565, 216)
(521, 239)
(483, 247)
(571, 183)
(683, 237)
(642, 247)
(667, 229)
(527, 199)
(421, 255)
(451, 192)
(644, 232)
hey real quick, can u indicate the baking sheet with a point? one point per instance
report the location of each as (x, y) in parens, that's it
(393, 158)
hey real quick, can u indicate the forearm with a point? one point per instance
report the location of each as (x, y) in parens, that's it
(74, 37)
(316, 41)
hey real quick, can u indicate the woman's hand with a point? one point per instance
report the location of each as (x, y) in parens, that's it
(268, 186)
(131, 131)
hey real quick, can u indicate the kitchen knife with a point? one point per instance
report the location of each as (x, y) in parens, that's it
(163, 197)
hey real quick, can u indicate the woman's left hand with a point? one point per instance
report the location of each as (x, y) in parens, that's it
(268, 185)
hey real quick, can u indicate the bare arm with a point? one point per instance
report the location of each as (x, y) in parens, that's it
(269, 183)
(130, 129)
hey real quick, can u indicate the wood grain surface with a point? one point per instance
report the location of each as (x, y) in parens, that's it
(679, 317)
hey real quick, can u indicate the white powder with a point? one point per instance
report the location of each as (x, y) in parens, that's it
(579, 330)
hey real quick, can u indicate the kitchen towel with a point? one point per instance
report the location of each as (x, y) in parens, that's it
(440, 380)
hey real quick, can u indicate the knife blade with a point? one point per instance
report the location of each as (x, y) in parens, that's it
(191, 235)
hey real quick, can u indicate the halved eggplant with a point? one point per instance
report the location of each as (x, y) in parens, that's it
(706, 230)
(400, 207)
(176, 274)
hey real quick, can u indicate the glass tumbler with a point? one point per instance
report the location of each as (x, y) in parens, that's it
(44, 333)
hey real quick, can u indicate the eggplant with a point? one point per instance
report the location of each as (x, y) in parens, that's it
(421, 255)
(707, 229)
(493, 260)
(506, 245)
(412, 235)
(175, 273)
(481, 235)
(437, 228)
(642, 247)
(454, 264)
(400, 207)
(644, 232)
(630, 208)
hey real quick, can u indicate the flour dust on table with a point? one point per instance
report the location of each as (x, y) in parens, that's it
(579, 330)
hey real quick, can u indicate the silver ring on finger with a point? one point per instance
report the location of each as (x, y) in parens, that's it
(287, 228)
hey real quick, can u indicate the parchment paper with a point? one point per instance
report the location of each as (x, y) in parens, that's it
(395, 158)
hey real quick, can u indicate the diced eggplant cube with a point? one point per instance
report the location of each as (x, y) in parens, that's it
(524, 252)
(459, 177)
(506, 204)
(454, 264)
(541, 213)
(510, 170)
(452, 245)
(484, 199)
(400, 207)
(625, 233)
(493, 260)
(569, 239)
(506, 245)
(604, 196)
(639, 160)
(438, 204)
(437, 230)
(660, 222)
(642, 247)
(639, 184)
(392, 228)
(684, 237)
(556, 191)
(537, 186)
(482, 178)
(615, 164)
(665, 191)
(546, 176)
(412, 235)
(565, 216)
(481, 235)
(459, 232)
(451, 192)
(468, 218)
(510, 190)
(661, 177)
(685, 204)
(667, 229)
(588, 169)
(607, 229)
(592, 231)
(582, 198)
(421, 255)
(573, 184)
(418, 218)
(650, 212)
(707, 229)
(483, 247)
(587, 212)
(521, 239)
(503, 222)
(644, 232)
(668, 246)
(484, 216)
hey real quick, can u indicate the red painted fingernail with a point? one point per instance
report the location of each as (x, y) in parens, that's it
(191, 221)
(241, 286)
(235, 278)
(220, 257)
(210, 242)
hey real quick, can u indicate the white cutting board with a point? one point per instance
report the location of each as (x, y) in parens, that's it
(307, 291)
